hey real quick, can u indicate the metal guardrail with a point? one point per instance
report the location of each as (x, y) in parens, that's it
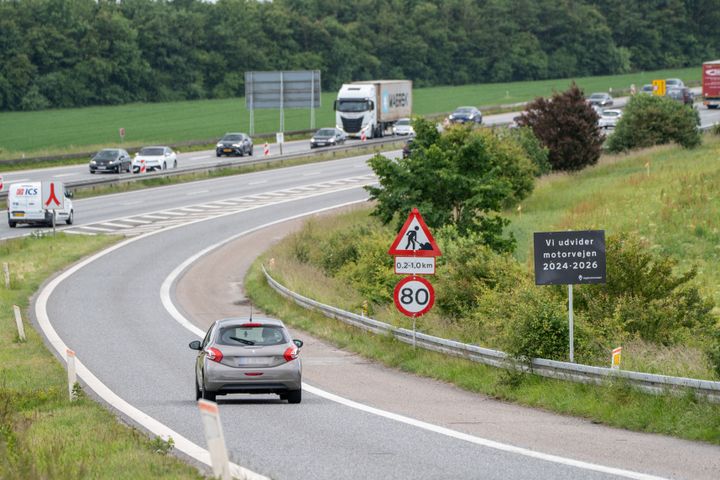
(369, 146)
(648, 382)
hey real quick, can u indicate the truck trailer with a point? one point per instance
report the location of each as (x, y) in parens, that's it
(711, 84)
(372, 107)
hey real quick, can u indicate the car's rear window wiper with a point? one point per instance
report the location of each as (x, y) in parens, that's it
(242, 340)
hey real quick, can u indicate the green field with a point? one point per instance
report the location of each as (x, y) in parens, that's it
(82, 129)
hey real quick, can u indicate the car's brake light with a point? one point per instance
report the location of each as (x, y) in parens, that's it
(252, 324)
(290, 354)
(214, 354)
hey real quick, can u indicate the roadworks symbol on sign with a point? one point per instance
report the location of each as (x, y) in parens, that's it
(415, 239)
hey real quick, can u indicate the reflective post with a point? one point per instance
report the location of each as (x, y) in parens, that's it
(570, 315)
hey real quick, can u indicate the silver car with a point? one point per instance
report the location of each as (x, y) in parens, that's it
(248, 356)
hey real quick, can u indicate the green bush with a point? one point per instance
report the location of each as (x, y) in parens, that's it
(651, 120)
(536, 151)
(645, 296)
(537, 325)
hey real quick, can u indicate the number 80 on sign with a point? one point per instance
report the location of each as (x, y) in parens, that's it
(414, 296)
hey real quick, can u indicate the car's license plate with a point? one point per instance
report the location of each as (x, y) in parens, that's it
(20, 214)
(246, 361)
(227, 150)
(101, 168)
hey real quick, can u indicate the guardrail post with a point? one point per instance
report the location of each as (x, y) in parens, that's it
(570, 318)
(19, 323)
(216, 440)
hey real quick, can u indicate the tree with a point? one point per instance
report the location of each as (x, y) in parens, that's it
(464, 178)
(650, 120)
(567, 126)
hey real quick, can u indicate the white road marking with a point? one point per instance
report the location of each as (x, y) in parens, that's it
(130, 204)
(166, 300)
(99, 229)
(135, 220)
(197, 192)
(153, 216)
(199, 158)
(310, 174)
(191, 209)
(16, 180)
(157, 428)
(119, 225)
(64, 175)
(258, 182)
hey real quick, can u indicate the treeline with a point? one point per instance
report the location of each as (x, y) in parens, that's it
(68, 53)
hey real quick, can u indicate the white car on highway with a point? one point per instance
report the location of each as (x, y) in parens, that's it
(155, 158)
(403, 127)
(609, 118)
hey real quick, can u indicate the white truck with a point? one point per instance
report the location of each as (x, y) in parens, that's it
(25, 204)
(372, 107)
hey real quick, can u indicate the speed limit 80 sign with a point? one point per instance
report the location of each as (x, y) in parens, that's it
(414, 296)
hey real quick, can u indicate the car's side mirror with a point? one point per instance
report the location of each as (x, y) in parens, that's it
(69, 194)
(195, 345)
(298, 343)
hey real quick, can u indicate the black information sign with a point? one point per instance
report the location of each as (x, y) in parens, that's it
(564, 258)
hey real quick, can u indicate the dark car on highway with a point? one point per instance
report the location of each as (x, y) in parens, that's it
(234, 144)
(682, 94)
(466, 115)
(248, 356)
(110, 160)
(600, 99)
(327, 137)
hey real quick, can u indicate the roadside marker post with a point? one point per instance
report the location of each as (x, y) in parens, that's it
(72, 376)
(363, 137)
(6, 274)
(266, 150)
(215, 439)
(142, 166)
(2, 183)
(19, 323)
(616, 357)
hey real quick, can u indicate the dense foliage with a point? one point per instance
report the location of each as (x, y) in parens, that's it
(463, 178)
(567, 126)
(649, 120)
(63, 53)
(489, 298)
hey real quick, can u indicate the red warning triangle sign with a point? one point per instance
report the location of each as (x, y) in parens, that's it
(415, 239)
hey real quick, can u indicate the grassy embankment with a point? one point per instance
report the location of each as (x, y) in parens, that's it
(54, 132)
(675, 207)
(42, 433)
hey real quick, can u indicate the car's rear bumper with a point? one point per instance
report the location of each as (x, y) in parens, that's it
(282, 378)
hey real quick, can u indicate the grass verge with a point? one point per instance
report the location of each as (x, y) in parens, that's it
(616, 404)
(42, 433)
(78, 129)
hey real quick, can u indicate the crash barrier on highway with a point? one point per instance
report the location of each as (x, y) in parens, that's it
(652, 383)
(371, 146)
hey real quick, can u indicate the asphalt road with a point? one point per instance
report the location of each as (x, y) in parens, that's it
(75, 173)
(123, 333)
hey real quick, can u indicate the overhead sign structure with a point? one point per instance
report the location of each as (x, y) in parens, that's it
(414, 296)
(281, 90)
(573, 257)
(658, 87)
(414, 239)
(53, 195)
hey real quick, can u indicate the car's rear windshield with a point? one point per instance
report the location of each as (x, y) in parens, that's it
(403, 121)
(238, 335)
(232, 137)
(152, 151)
(107, 154)
(597, 95)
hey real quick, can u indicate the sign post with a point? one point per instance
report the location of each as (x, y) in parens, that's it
(121, 131)
(53, 198)
(280, 139)
(658, 88)
(567, 258)
(414, 250)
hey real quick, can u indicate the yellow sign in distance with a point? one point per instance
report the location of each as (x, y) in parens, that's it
(658, 87)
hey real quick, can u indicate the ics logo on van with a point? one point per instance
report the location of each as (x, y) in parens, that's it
(26, 192)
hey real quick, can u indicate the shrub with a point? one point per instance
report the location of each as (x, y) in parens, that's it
(650, 120)
(645, 296)
(536, 151)
(568, 127)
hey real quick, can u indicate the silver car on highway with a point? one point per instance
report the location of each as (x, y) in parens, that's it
(248, 356)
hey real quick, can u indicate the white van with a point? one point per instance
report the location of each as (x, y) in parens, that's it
(25, 206)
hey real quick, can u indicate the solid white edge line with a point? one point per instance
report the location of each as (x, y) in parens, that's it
(157, 428)
(166, 299)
